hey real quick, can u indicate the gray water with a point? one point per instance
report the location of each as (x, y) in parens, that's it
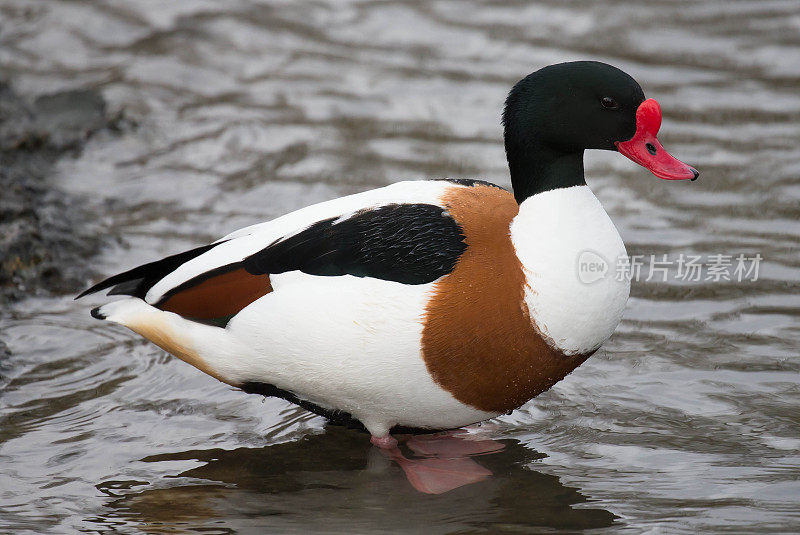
(688, 419)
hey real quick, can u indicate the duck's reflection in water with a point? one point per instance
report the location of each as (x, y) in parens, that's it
(337, 482)
(443, 462)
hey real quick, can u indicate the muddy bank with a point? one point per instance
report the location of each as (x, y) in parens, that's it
(45, 234)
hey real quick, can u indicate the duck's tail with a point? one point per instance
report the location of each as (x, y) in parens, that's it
(198, 344)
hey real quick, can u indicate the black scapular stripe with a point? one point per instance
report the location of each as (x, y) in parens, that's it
(407, 243)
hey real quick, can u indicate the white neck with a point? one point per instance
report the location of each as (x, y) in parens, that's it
(563, 237)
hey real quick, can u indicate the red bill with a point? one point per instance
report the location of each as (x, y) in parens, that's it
(645, 149)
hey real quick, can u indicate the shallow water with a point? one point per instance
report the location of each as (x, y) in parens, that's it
(687, 419)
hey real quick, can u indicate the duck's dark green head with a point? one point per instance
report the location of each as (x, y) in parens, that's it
(554, 114)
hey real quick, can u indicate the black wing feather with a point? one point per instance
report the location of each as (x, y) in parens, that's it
(139, 280)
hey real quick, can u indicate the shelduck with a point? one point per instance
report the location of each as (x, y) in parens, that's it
(428, 304)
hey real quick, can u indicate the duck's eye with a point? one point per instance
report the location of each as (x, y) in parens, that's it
(609, 103)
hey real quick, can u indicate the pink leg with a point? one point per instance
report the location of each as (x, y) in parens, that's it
(385, 442)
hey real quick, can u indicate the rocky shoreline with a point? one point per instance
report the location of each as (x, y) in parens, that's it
(45, 234)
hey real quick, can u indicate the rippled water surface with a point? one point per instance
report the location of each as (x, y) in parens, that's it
(687, 419)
